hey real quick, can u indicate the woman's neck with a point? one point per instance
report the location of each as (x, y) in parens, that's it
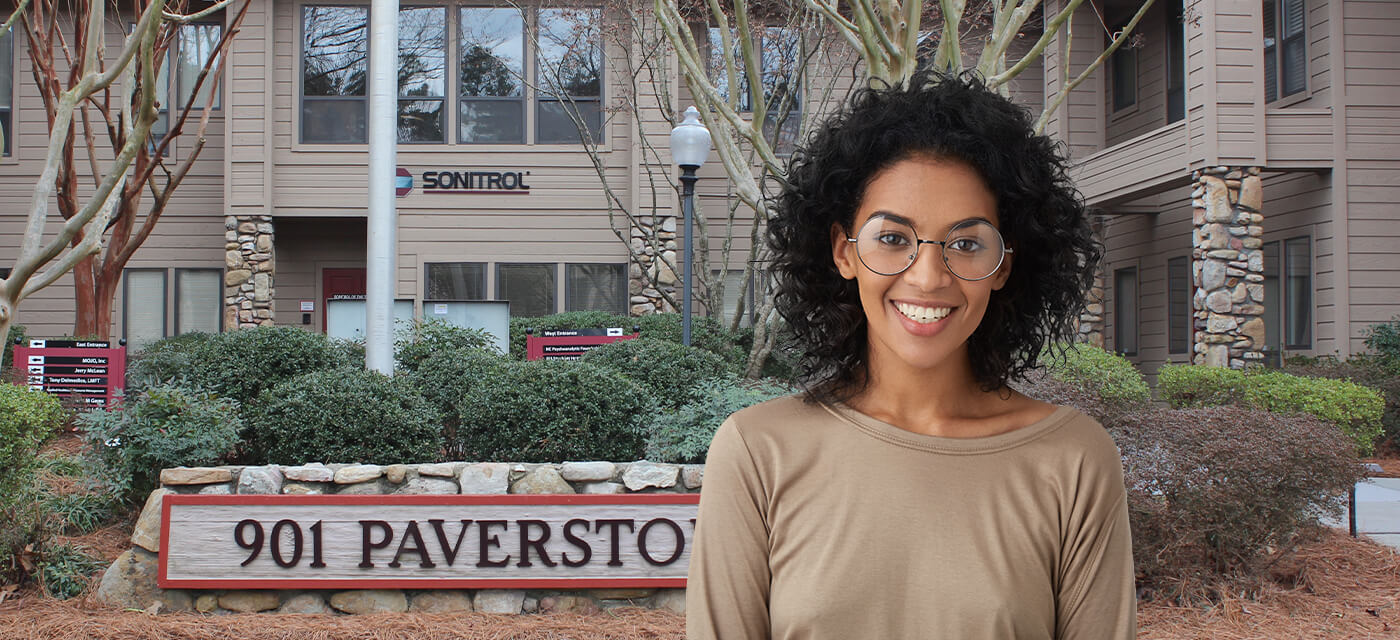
(943, 401)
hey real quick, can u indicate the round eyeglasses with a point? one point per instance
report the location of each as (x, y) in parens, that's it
(972, 250)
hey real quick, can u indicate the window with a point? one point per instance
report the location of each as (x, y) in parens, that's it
(779, 51)
(1285, 48)
(143, 307)
(455, 281)
(570, 75)
(1125, 311)
(198, 300)
(735, 290)
(528, 287)
(1124, 69)
(1179, 305)
(422, 74)
(596, 287)
(1288, 294)
(197, 44)
(334, 68)
(1176, 64)
(492, 66)
(7, 82)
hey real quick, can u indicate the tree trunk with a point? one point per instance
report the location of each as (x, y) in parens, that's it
(85, 322)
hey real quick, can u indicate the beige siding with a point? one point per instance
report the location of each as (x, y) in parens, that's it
(1373, 189)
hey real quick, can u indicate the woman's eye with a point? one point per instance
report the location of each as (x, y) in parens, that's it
(965, 245)
(892, 239)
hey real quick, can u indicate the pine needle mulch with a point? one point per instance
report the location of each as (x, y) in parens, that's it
(1334, 588)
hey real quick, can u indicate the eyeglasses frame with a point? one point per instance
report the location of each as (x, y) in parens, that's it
(942, 253)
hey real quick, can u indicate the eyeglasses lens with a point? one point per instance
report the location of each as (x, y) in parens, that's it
(972, 250)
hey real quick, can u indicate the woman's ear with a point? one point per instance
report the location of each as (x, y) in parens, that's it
(1003, 272)
(843, 252)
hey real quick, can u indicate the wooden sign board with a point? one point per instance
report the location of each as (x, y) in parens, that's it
(426, 541)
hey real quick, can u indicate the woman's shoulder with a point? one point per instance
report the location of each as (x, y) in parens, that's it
(776, 414)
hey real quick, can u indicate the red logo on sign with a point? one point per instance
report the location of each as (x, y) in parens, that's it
(403, 182)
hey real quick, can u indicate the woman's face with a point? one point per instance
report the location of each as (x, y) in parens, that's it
(921, 318)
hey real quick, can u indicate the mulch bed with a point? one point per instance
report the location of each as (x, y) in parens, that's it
(1335, 588)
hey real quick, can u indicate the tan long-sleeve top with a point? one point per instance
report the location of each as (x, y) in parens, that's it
(818, 521)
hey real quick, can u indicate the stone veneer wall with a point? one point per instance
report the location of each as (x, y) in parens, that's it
(131, 581)
(248, 271)
(643, 297)
(1227, 265)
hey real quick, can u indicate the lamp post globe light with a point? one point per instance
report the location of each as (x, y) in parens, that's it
(690, 146)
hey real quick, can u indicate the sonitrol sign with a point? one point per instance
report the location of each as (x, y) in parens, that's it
(426, 541)
(475, 181)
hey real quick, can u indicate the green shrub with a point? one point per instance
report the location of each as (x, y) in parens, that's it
(1366, 370)
(81, 513)
(66, 569)
(347, 415)
(28, 525)
(666, 369)
(238, 364)
(1384, 339)
(27, 419)
(1219, 494)
(1355, 409)
(423, 339)
(552, 411)
(16, 334)
(445, 377)
(684, 435)
(1099, 383)
(163, 426)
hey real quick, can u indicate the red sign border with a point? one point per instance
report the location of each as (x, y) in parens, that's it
(170, 500)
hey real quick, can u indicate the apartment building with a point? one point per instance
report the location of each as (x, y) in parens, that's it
(1241, 155)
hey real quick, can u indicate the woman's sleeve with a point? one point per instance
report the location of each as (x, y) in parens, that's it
(726, 594)
(1097, 597)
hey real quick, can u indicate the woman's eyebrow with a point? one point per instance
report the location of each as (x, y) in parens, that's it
(894, 217)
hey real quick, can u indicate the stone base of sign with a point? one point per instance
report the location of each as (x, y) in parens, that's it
(130, 582)
(248, 271)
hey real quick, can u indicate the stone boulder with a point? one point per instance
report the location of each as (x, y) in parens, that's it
(130, 583)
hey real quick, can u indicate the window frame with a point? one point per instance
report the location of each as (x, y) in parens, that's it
(540, 94)
(1175, 65)
(10, 150)
(300, 78)
(553, 291)
(1118, 307)
(623, 298)
(1285, 264)
(458, 98)
(164, 300)
(1179, 345)
(1117, 108)
(1273, 53)
(217, 94)
(218, 299)
(485, 284)
(448, 67)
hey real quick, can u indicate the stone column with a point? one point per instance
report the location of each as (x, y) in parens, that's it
(249, 269)
(1091, 319)
(1227, 265)
(644, 297)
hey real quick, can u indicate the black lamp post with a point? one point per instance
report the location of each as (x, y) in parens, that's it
(690, 146)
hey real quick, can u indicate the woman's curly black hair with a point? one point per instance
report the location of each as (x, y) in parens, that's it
(1042, 218)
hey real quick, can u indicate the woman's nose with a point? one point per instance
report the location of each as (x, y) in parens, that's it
(928, 272)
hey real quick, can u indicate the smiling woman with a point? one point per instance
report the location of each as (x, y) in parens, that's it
(928, 247)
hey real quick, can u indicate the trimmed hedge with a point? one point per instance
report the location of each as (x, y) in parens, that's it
(423, 339)
(1217, 495)
(346, 415)
(1384, 339)
(553, 411)
(27, 419)
(236, 364)
(684, 435)
(1100, 383)
(445, 377)
(160, 427)
(1357, 410)
(1366, 370)
(668, 370)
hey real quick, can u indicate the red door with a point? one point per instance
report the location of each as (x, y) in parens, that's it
(340, 284)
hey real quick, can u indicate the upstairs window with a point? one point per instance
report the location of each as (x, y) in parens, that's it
(422, 74)
(570, 75)
(196, 46)
(1176, 64)
(1123, 67)
(1285, 48)
(492, 57)
(7, 87)
(334, 70)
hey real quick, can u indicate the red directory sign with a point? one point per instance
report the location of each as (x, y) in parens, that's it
(570, 344)
(90, 372)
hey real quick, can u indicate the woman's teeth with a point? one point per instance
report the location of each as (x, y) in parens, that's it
(922, 315)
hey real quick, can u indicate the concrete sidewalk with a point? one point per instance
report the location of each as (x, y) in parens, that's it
(1378, 510)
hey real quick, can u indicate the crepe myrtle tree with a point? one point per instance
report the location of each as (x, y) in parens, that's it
(101, 113)
(641, 94)
(888, 41)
